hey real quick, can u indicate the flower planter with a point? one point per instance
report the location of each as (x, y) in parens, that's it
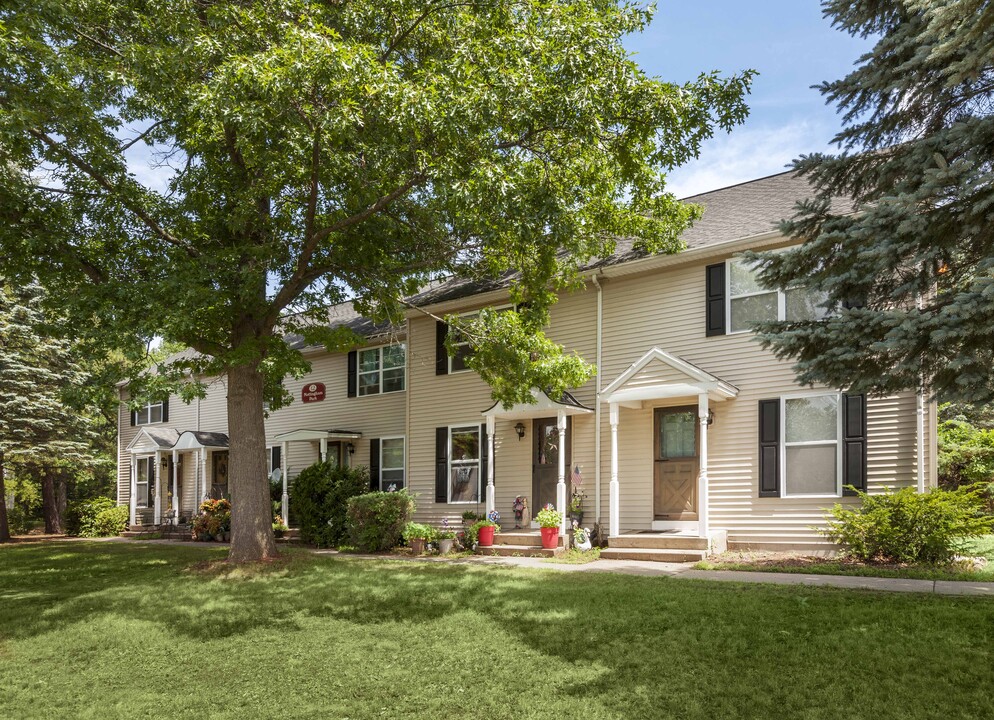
(486, 536)
(550, 538)
(417, 546)
(445, 546)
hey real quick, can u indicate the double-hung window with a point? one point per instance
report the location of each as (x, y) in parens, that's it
(749, 302)
(392, 476)
(382, 369)
(149, 414)
(812, 453)
(461, 349)
(145, 482)
(464, 464)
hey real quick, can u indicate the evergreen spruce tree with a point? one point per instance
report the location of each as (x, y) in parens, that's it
(39, 432)
(911, 272)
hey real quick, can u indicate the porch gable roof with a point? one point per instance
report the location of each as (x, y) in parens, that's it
(543, 406)
(683, 379)
(305, 434)
(150, 439)
(194, 440)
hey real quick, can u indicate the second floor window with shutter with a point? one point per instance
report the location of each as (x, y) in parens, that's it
(750, 302)
(382, 369)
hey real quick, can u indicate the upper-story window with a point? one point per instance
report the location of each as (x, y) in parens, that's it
(148, 414)
(749, 302)
(382, 369)
(457, 361)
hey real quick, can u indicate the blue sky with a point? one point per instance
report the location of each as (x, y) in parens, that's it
(791, 45)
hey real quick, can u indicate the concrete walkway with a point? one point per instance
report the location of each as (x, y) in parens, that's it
(679, 571)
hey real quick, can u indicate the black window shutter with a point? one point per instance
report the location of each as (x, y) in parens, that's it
(441, 357)
(277, 456)
(442, 465)
(484, 458)
(374, 464)
(715, 290)
(353, 372)
(853, 443)
(769, 448)
(134, 417)
(165, 410)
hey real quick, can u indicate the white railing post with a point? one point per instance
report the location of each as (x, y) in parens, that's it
(134, 487)
(615, 492)
(323, 449)
(158, 494)
(491, 499)
(561, 486)
(703, 523)
(176, 503)
(285, 462)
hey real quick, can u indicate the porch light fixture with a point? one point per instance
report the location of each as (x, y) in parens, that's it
(710, 417)
(165, 462)
(351, 448)
(520, 429)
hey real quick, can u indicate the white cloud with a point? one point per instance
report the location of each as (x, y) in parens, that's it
(747, 154)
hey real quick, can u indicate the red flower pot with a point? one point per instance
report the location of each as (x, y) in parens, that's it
(550, 538)
(486, 536)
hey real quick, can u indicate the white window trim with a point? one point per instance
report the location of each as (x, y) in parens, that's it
(403, 468)
(813, 443)
(149, 480)
(148, 409)
(479, 465)
(470, 314)
(781, 296)
(360, 373)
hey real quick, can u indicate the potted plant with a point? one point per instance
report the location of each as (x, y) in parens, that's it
(575, 508)
(279, 527)
(549, 520)
(486, 528)
(417, 536)
(446, 538)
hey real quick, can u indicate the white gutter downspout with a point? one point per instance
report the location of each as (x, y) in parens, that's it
(921, 421)
(597, 403)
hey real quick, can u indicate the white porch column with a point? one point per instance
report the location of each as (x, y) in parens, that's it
(491, 500)
(285, 462)
(134, 487)
(176, 504)
(703, 522)
(614, 528)
(561, 485)
(205, 488)
(323, 443)
(158, 489)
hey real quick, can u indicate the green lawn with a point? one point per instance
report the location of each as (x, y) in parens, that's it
(103, 630)
(798, 563)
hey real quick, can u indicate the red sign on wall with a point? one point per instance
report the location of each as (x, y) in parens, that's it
(312, 392)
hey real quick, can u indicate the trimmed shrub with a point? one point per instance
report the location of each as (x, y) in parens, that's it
(112, 521)
(376, 520)
(909, 527)
(319, 500)
(81, 517)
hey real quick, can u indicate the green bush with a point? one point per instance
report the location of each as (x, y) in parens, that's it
(110, 522)
(320, 498)
(966, 455)
(17, 520)
(909, 527)
(81, 517)
(376, 520)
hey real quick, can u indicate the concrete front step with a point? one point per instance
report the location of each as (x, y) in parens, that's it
(660, 541)
(655, 554)
(507, 550)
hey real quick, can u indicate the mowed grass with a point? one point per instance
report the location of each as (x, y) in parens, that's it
(107, 630)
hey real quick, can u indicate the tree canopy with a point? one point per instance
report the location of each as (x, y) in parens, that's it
(905, 254)
(308, 152)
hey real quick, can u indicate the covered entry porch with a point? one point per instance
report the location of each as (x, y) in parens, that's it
(335, 446)
(548, 420)
(675, 398)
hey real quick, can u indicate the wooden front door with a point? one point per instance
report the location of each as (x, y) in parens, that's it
(219, 478)
(675, 451)
(545, 461)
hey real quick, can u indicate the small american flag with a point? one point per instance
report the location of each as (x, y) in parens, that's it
(576, 478)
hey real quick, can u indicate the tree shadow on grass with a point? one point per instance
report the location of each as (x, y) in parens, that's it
(660, 647)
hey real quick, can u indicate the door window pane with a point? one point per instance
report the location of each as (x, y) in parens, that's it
(678, 434)
(548, 449)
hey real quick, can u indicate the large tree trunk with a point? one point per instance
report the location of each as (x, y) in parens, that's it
(4, 527)
(50, 504)
(251, 508)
